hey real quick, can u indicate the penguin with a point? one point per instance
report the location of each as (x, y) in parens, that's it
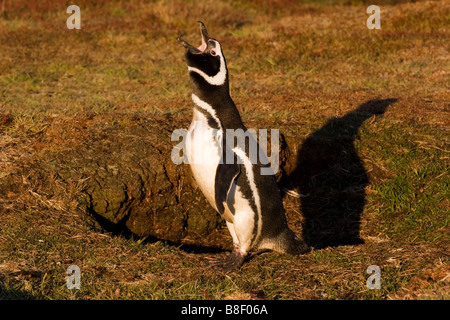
(249, 201)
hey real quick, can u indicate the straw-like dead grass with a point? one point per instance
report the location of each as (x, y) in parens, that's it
(301, 64)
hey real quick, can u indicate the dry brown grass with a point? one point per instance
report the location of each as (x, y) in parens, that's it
(299, 64)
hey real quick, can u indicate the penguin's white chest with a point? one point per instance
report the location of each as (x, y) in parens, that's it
(203, 151)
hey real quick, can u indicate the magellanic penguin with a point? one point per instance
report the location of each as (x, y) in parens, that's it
(249, 201)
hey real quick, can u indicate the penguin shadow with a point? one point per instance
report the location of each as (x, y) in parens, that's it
(331, 177)
(121, 230)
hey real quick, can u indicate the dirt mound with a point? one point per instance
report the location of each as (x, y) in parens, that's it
(119, 170)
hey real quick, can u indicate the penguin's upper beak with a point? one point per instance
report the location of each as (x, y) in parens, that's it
(202, 48)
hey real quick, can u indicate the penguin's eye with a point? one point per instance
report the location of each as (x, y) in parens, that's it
(213, 52)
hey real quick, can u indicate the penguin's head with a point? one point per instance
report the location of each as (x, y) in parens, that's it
(206, 62)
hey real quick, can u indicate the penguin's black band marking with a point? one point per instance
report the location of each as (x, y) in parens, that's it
(213, 123)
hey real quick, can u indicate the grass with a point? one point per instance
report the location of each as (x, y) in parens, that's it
(295, 63)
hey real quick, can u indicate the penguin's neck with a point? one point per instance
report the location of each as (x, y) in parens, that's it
(217, 100)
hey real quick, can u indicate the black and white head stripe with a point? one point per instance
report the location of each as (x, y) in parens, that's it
(221, 76)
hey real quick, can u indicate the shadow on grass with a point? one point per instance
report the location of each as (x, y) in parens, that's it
(332, 177)
(11, 293)
(121, 230)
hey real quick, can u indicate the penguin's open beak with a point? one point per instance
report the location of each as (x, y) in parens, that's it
(202, 48)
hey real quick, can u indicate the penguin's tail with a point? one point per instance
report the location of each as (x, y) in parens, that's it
(294, 244)
(289, 242)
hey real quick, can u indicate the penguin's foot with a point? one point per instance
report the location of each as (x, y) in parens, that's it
(234, 260)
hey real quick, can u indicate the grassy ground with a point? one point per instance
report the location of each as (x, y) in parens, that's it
(300, 63)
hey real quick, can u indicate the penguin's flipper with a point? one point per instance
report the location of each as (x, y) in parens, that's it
(225, 175)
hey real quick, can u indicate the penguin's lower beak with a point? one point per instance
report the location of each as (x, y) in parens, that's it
(189, 46)
(203, 46)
